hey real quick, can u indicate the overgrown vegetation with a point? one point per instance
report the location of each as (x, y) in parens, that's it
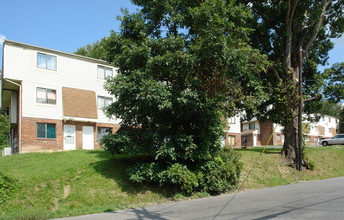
(7, 188)
(4, 130)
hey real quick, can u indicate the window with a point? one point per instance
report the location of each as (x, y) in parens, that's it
(329, 130)
(231, 140)
(104, 72)
(45, 61)
(251, 126)
(278, 137)
(45, 130)
(245, 139)
(329, 119)
(47, 96)
(101, 132)
(231, 120)
(104, 102)
(308, 139)
(316, 139)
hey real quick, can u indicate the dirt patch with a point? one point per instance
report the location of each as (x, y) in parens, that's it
(66, 191)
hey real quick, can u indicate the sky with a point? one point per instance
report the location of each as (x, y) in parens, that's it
(66, 25)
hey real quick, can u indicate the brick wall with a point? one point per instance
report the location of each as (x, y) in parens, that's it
(312, 140)
(249, 140)
(237, 139)
(114, 127)
(275, 141)
(265, 132)
(30, 142)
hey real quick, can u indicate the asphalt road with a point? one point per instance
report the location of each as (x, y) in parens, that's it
(323, 199)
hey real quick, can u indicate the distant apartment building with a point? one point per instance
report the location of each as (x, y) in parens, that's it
(232, 132)
(257, 133)
(326, 127)
(54, 99)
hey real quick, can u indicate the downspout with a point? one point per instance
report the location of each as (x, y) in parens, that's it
(19, 112)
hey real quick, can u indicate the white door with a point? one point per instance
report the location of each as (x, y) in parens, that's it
(87, 138)
(69, 137)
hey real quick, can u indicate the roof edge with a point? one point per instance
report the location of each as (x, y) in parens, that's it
(16, 43)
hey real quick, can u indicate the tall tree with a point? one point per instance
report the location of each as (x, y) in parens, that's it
(281, 29)
(182, 67)
(335, 84)
(96, 50)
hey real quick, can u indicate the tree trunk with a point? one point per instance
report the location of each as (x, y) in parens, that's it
(289, 150)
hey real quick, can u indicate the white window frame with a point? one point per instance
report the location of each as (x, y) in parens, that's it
(105, 104)
(231, 120)
(46, 96)
(108, 130)
(46, 61)
(231, 140)
(254, 126)
(104, 75)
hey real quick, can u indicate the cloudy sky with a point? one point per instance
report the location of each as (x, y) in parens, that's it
(66, 25)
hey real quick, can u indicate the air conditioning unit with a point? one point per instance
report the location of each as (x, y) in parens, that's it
(6, 151)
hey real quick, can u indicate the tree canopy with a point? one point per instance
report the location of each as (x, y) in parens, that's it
(281, 29)
(183, 66)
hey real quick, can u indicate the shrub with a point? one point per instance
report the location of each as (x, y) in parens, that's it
(221, 174)
(180, 175)
(143, 172)
(214, 176)
(7, 188)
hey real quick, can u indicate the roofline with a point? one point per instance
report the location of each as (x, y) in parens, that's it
(16, 43)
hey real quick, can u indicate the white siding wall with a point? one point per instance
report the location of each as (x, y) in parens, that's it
(278, 129)
(21, 64)
(236, 127)
(326, 122)
(245, 126)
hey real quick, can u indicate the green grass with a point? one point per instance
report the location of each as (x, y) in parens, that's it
(60, 184)
(73, 183)
(270, 170)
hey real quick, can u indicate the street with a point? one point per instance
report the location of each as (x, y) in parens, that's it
(322, 199)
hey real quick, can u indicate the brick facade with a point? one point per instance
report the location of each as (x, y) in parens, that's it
(237, 139)
(247, 140)
(30, 142)
(266, 128)
(278, 138)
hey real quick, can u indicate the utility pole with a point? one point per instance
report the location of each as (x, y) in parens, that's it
(299, 153)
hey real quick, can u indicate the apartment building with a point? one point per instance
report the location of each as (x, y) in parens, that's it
(54, 99)
(326, 127)
(257, 133)
(232, 132)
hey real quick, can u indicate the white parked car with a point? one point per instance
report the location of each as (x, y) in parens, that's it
(336, 140)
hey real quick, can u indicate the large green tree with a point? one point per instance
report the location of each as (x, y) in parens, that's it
(335, 84)
(183, 66)
(281, 29)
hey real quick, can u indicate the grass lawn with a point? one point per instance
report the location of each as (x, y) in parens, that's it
(50, 185)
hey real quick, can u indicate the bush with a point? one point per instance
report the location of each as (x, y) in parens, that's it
(221, 174)
(7, 188)
(144, 172)
(180, 175)
(214, 176)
